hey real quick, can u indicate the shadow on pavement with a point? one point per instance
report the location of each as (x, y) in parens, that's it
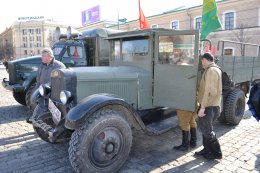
(26, 153)
(13, 113)
(152, 153)
(257, 163)
(17, 139)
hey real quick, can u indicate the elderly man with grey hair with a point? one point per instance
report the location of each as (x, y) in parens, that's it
(44, 76)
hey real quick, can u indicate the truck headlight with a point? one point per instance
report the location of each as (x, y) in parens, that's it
(44, 89)
(65, 96)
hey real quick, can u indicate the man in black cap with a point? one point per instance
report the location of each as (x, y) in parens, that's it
(209, 99)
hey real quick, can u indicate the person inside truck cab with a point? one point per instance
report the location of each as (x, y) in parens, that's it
(48, 64)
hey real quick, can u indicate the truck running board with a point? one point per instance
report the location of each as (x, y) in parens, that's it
(160, 127)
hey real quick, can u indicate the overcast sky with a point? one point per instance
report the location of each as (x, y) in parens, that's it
(69, 12)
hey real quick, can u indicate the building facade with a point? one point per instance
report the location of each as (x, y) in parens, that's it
(240, 23)
(27, 38)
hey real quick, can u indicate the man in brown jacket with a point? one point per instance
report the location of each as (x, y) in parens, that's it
(209, 99)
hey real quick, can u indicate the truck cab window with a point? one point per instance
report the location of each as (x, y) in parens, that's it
(134, 50)
(176, 50)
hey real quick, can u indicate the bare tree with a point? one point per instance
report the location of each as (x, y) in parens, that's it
(241, 35)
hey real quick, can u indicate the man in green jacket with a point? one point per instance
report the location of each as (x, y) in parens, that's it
(209, 99)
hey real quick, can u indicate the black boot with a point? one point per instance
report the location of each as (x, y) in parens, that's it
(215, 150)
(193, 137)
(205, 149)
(185, 142)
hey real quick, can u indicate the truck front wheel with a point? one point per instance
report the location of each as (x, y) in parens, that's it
(234, 107)
(20, 97)
(102, 144)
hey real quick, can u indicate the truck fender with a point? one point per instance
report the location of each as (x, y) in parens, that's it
(78, 115)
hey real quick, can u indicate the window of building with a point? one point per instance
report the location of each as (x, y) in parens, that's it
(38, 38)
(229, 51)
(24, 39)
(24, 31)
(176, 50)
(31, 31)
(25, 52)
(24, 44)
(31, 45)
(38, 31)
(38, 45)
(31, 38)
(229, 20)
(175, 24)
(154, 26)
(38, 51)
(197, 23)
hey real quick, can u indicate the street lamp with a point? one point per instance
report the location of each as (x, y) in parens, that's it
(123, 20)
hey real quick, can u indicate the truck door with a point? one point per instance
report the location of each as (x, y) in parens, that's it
(175, 69)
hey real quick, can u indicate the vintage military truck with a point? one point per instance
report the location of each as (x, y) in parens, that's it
(151, 74)
(88, 48)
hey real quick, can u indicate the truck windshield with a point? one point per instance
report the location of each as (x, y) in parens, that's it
(71, 51)
(178, 49)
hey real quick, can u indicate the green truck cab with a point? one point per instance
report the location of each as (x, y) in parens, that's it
(88, 48)
(151, 73)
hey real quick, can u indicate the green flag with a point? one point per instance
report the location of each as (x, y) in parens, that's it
(210, 21)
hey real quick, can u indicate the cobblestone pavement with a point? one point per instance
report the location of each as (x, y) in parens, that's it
(21, 151)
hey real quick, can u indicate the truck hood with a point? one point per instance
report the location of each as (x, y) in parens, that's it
(31, 60)
(108, 73)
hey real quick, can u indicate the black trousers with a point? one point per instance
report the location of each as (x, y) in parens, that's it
(205, 123)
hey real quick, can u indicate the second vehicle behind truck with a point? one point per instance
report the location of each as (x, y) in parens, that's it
(89, 48)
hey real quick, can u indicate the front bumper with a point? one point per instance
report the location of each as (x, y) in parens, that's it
(16, 88)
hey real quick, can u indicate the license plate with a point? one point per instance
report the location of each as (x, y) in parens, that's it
(56, 114)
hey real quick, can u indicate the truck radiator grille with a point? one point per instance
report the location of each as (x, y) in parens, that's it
(65, 80)
(57, 85)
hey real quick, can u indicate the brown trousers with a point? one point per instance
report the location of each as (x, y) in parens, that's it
(186, 119)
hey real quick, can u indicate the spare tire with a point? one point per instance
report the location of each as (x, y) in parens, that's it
(234, 107)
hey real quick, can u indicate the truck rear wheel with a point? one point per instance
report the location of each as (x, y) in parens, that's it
(30, 106)
(102, 144)
(20, 97)
(234, 107)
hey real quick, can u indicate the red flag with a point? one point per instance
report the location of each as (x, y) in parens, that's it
(142, 19)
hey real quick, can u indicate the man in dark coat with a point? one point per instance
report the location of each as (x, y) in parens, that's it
(43, 77)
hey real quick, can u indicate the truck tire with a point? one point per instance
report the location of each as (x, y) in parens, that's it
(30, 106)
(20, 97)
(102, 144)
(234, 107)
